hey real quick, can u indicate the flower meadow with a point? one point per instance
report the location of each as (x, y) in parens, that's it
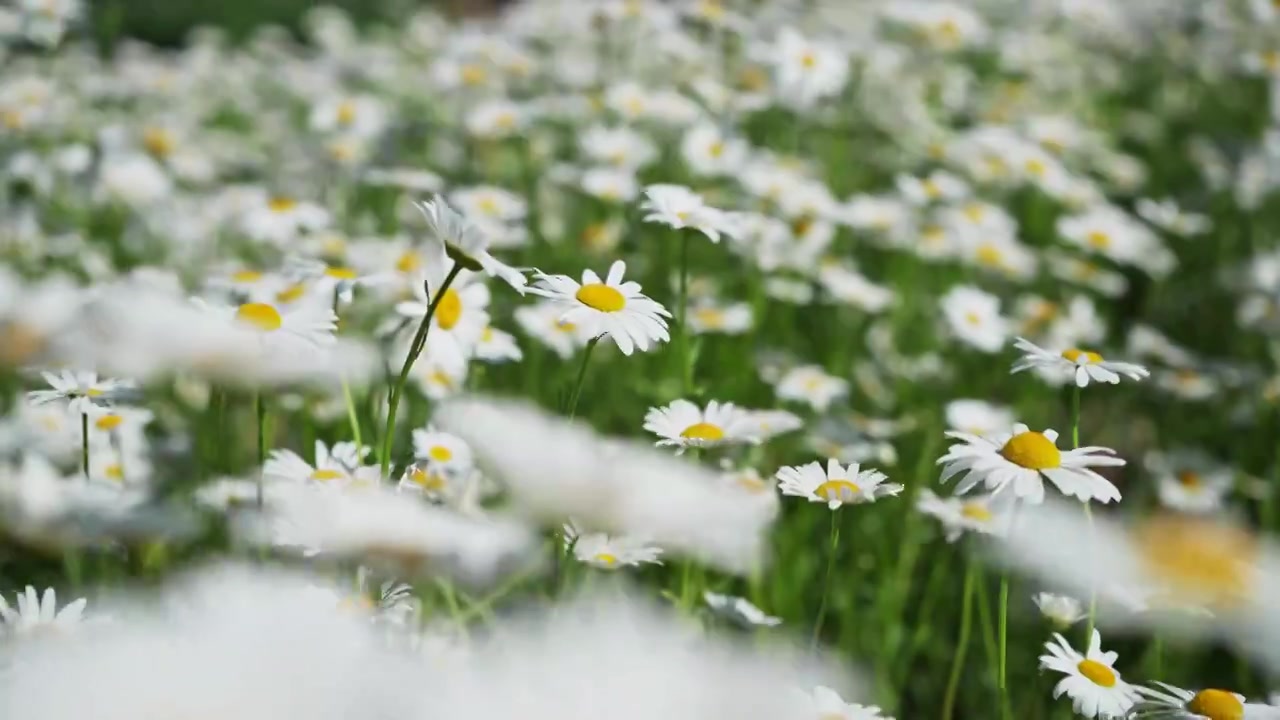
(637, 359)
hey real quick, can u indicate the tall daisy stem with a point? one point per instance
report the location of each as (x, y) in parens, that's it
(826, 580)
(582, 375)
(1003, 630)
(1088, 512)
(415, 349)
(84, 444)
(962, 643)
(560, 550)
(682, 302)
(260, 412)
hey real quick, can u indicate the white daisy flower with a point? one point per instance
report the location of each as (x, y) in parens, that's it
(610, 307)
(679, 207)
(489, 203)
(606, 552)
(683, 424)
(37, 613)
(339, 466)
(807, 70)
(1019, 460)
(1061, 610)
(707, 317)
(826, 704)
(739, 610)
(80, 388)
(1168, 702)
(442, 451)
(461, 312)
(708, 151)
(978, 514)
(974, 318)
(978, 417)
(280, 219)
(811, 384)
(1092, 682)
(836, 485)
(286, 327)
(542, 321)
(769, 424)
(938, 186)
(465, 243)
(1190, 481)
(1083, 365)
(436, 377)
(497, 346)
(1166, 215)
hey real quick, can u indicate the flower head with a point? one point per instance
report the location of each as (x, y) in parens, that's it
(608, 307)
(1091, 680)
(1020, 461)
(1082, 365)
(836, 485)
(683, 424)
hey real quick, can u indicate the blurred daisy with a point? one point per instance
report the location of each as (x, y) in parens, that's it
(38, 613)
(938, 186)
(1188, 384)
(465, 243)
(710, 317)
(961, 515)
(1018, 461)
(441, 451)
(974, 318)
(283, 326)
(1190, 481)
(1061, 610)
(683, 424)
(978, 417)
(679, 207)
(1092, 682)
(339, 466)
(542, 321)
(807, 70)
(80, 388)
(1167, 702)
(826, 704)
(610, 307)
(811, 384)
(739, 611)
(606, 552)
(497, 346)
(1084, 365)
(280, 219)
(836, 485)
(1167, 216)
(771, 423)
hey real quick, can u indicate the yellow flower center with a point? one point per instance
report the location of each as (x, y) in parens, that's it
(1036, 168)
(974, 212)
(972, 318)
(565, 327)
(703, 431)
(158, 142)
(1032, 450)
(1200, 561)
(282, 204)
(800, 226)
(1098, 240)
(346, 113)
(246, 276)
(473, 75)
(428, 481)
(440, 453)
(449, 311)
(341, 273)
(989, 255)
(931, 189)
(108, 422)
(93, 392)
(1075, 355)
(327, 474)
(716, 149)
(837, 489)
(259, 316)
(408, 263)
(601, 297)
(114, 471)
(1097, 673)
(809, 61)
(1189, 480)
(438, 377)
(1217, 705)
(488, 206)
(291, 293)
(975, 511)
(711, 317)
(606, 559)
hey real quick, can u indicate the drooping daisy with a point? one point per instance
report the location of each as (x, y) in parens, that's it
(836, 485)
(606, 552)
(1083, 365)
(37, 613)
(679, 207)
(1092, 682)
(739, 610)
(465, 243)
(811, 384)
(1190, 481)
(1167, 702)
(826, 704)
(442, 451)
(1016, 462)
(607, 307)
(1061, 610)
(339, 466)
(683, 424)
(974, 318)
(960, 515)
(978, 417)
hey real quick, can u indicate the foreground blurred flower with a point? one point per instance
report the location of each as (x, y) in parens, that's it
(555, 469)
(465, 243)
(1017, 462)
(1167, 702)
(611, 307)
(1092, 682)
(683, 425)
(39, 613)
(826, 704)
(340, 466)
(1083, 365)
(80, 389)
(836, 485)
(1061, 610)
(739, 611)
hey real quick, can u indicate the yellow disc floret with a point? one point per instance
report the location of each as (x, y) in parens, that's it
(1032, 450)
(601, 297)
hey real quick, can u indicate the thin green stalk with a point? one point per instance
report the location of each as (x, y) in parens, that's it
(260, 412)
(1088, 512)
(84, 443)
(962, 644)
(415, 349)
(351, 413)
(582, 375)
(1003, 629)
(826, 581)
(682, 302)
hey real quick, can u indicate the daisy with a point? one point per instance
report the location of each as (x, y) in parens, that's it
(709, 151)
(1084, 365)
(39, 613)
(679, 207)
(279, 219)
(938, 186)
(496, 346)
(610, 184)
(610, 307)
(739, 610)
(769, 424)
(1173, 703)
(442, 451)
(707, 317)
(1092, 682)
(606, 552)
(683, 424)
(978, 417)
(974, 318)
(812, 385)
(1167, 216)
(81, 389)
(542, 321)
(490, 203)
(958, 516)
(461, 311)
(465, 243)
(1021, 460)
(826, 704)
(1190, 481)
(283, 326)
(1061, 610)
(807, 70)
(437, 378)
(1188, 384)
(339, 466)
(836, 485)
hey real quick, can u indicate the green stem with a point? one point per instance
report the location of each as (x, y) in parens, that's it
(260, 412)
(415, 349)
(1003, 629)
(962, 644)
(84, 443)
(826, 581)
(582, 375)
(351, 413)
(1088, 512)
(682, 302)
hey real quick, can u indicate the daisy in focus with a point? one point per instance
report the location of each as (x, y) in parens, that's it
(608, 307)
(683, 424)
(836, 485)
(1163, 701)
(38, 613)
(1091, 680)
(1083, 365)
(1020, 461)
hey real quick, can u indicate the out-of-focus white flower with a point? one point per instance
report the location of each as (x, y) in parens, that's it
(135, 180)
(978, 417)
(679, 207)
(981, 514)
(812, 385)
(39, 613)
(1061, 610)
(806, 70)
(739, 611)
(974, 318)
(606, 552)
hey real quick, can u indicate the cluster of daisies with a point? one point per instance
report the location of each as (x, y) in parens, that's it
(259, 299)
